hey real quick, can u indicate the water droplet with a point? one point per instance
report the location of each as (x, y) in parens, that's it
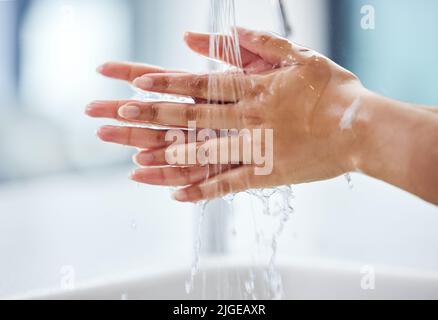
(349, 181)
(189, 286)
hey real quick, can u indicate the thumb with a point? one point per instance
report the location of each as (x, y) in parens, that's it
(270, 47)
(200, 43)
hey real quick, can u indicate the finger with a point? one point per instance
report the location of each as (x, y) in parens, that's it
(152, 158)
(165, 114)
(135, 137)
(233, 150)
(250, 62)
(174, 156)
(106, 109)
(225, 87)
(215, 116)
(128, 71)
(175, 176)
(232, 181)
(271, 48)
(429, 109)
(179, 115)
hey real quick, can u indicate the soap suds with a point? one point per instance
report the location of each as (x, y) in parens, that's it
(349, 115)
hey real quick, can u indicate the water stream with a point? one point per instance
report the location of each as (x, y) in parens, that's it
(277, 203)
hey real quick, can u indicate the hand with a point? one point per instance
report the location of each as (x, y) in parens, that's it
(148, 139)
(299, 94)
(253, 61)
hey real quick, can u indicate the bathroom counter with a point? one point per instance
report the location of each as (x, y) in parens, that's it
(64, 230)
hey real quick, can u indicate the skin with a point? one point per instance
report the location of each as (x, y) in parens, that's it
(301, 95)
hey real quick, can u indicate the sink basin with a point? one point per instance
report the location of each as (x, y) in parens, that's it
(225, 279)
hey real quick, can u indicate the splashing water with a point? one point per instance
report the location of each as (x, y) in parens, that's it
(286, 210)
(229, 199)
(197, 249)
(277, 203)
(141, 95)
(349, 180)
(134, 224)
(250, 286)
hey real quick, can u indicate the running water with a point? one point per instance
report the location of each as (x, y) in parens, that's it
(277, 203)
(223, 46)
(197, 249)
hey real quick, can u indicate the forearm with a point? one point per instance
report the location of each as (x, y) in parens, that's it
(399, 145)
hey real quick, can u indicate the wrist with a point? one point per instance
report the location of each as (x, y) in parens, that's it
(395, 142)
(355, 124)
(363, 126)
(384, 134)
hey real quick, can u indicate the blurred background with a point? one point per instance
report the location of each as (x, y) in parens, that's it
(66, 204)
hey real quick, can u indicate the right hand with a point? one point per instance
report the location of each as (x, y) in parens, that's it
(262, 54)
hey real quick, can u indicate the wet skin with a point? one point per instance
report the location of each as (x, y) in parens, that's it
(325, 122)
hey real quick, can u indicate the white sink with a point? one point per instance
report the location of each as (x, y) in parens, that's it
(301, 280)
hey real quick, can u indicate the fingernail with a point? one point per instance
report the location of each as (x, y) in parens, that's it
(194, 37)
(180, 195)
(144, 82)
(99, 69)
(144, 158)
(104, 133)
(89, 110)
(111, 134)
(133, 175)
(96, 108)
(129, 112)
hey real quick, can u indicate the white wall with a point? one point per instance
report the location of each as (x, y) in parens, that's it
(7, 21)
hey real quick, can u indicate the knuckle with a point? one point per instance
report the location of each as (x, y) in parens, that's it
(253, 82)
(319, 62)
(162, 174)
(318, 67)
(190, 113)
(262, 38)
(225, 187)
(259, 87)
(154, 108)
(198, 193)
(252, 116)
(185, 173)
(198, 83)
(315, 59)
(131, 75)
(130, 138)
(159, 137)
(163, 83)
(269, 39)
(280, 43)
